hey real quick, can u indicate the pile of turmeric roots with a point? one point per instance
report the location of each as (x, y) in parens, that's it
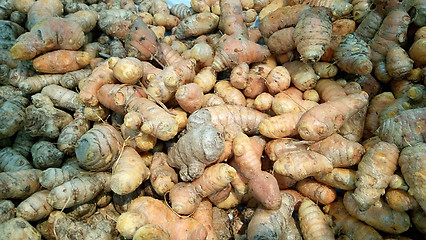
(225, 119)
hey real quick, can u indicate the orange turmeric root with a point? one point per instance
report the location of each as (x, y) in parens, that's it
(61, 61)
(147, 210)
(262, 185)
(43, 37)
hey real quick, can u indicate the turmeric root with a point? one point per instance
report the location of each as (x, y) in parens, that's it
(297, 165)
(281, 18)
(234, 47)
(199, 147)
(278, 224)
(12, 161)
(53, 177)
(405, 129)
(344, 223)
(229, 94)
(255, 84)
(412, 163)
(204, 215)
(121, 202)
(416, 51)
(397, 182)
(392, 32)
(82, 211)
(43, 38)
(211, 99)
(400, 200)
(190, 97)
(98, 148)
(117, 96)
(130, 70)
(312, 33)
(61, 61)
(89, 87)
(376, 105)
(263, 102)
(353, 128)
(369, 26)
(398, 64)
(337, 8)
(283, 125)
(115, 22)
(203, 54)
(313, 222)
(226, 198)
(380, 216)
(117, 48)
(196, 25)
(341, 28)
(141, 41)
(7, 210)
(374, 173)
(97, 113)
(238, 119)
(87, 19)
(129, 222)
(206, 78)
(353, 55)
(302, 75)
(278, 79)
(275, 148)
(163, 177)
(35, 207)
(46, 155)
(221, 223)
(316, 191)
(18, 228)
(20, 184)
(165, 84)
(61, 226)
(325, 69)
(203, 5)
(79, 190)
(43, 119)
(161, 12)
(312, 127)
(282, 41)
(42, 10)
(340, 178)
(70, 134)
(141, 142)
(238, 77)
(128, 172)
(262, 185)
(35, 83)
(291, 101)
(340, 151)
(12, 115)
(63, 97)
(329, 90)
(214, 179)
(150, 118)
(151, 231)
(7, 7)
(181, 10)
(418, 217)
(145, 210)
